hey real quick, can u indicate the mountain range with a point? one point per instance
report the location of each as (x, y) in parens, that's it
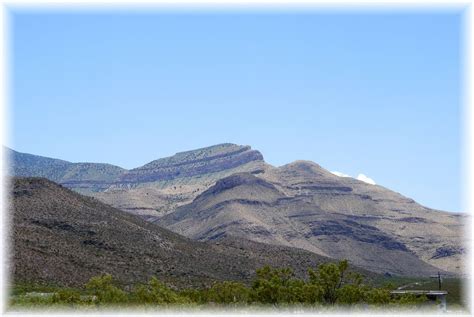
(62, 237)
(228, 191)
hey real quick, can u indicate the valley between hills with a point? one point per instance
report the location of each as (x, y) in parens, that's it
(215, 213)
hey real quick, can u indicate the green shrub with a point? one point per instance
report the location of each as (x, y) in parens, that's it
(229, 293)
(155, 292)
(198, 296)
(105, 291)
(311, 293)
(275, 286)
(350, 294)
(329, 277)
(330, 284)
(377, 296)
(410, 300)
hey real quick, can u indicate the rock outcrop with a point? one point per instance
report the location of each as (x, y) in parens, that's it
(194, 163)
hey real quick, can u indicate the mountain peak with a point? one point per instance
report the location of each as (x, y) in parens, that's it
(196, 162)
(303, 164)
(221, 147)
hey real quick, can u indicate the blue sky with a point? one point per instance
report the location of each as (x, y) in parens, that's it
(371, 93)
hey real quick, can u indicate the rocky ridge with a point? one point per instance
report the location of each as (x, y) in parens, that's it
(192, 163)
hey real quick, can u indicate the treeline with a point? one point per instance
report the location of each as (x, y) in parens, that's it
(330, 284)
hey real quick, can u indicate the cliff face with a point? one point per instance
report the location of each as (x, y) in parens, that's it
(208, 160)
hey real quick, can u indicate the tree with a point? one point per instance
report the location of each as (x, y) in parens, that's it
(229, 293)
(155, 292)
(377, 296)
(105, 291)
(336, 284)
(274, 286)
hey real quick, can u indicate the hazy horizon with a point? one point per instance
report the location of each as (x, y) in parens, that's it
(371, 93)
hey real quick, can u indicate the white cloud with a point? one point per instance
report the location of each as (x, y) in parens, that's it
(360, 177)
(340, 174)
(365, 179)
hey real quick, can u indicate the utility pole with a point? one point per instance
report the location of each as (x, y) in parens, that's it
(439, 279)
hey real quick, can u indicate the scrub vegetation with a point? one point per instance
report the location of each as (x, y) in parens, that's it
(329, 285)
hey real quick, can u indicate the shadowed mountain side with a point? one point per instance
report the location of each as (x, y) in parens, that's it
(61, 237)
(80, 176)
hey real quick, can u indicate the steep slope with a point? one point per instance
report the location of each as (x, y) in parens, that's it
(61, 237)
(305, 206)
(160, 186)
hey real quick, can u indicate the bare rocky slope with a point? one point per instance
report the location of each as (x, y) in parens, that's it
(61, 237)
(299, 204)
(436, 237)
(246, 206)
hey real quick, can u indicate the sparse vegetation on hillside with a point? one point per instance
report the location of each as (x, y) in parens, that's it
(63, 237)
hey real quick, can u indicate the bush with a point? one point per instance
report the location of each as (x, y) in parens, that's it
(275, 286)
(350, 294)
(311, 293)
(330, 284)
(410, 300)
(377, 296)
(198, 296)
(155, 292)
(329, 277)
(103, 288)
(229, 293)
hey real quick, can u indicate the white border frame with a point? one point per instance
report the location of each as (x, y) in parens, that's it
(246, 5)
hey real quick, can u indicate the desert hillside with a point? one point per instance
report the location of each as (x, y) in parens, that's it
(228, 190)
